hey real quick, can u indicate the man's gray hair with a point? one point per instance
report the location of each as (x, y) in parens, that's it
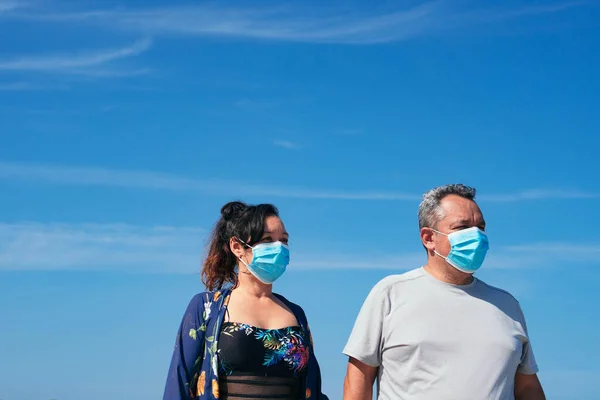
(430, 212)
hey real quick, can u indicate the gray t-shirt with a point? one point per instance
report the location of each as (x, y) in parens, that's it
(434, 340)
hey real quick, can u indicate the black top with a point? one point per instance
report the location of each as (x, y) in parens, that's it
(259, 363)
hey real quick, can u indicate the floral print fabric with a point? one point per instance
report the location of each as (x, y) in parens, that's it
(264, 349)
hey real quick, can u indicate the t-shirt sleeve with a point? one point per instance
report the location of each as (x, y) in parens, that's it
(528, 365)
(365, 342)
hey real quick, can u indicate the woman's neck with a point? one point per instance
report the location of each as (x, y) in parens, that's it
(250, 286)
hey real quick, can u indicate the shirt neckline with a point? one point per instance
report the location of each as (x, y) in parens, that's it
(447, 284)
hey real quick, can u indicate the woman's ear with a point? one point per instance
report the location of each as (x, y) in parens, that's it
(237, 248)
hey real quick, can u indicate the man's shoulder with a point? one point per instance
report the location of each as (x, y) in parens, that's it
(505, 295)
(391, 282)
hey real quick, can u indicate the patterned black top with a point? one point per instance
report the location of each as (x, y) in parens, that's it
(259, 363)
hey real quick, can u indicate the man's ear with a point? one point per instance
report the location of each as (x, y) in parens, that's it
(427, 238)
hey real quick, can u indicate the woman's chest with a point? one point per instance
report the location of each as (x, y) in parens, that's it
(247, 349)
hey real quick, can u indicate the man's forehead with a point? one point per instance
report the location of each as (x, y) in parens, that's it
(457, 209)
(454, 201)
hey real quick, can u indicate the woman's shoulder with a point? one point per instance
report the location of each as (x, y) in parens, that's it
(294, 307)
(208, 298)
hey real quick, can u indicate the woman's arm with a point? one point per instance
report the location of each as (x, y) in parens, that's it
(187, 355)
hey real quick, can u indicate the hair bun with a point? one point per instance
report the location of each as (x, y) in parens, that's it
(232, 210)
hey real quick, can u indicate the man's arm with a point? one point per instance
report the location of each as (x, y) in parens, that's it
(528, 387)
(358, 384)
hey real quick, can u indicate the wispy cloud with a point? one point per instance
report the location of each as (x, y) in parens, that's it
(287, 144)
(158, 181)
(6, 6)
(535, 255)
(88, 176)
(537, 9)
(29, 86)
(168, 249)
(540, 194)
(399, 262)
(35, 246)
(300, 23)
(131, 248)
(84, 62)
(558, 248)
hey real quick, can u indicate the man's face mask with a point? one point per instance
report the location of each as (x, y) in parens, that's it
(468, 248)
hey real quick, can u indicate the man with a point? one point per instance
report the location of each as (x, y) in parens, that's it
(438, 333)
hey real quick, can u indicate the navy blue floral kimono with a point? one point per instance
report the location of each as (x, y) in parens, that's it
(194, 370)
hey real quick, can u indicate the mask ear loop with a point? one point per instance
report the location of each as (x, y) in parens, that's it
(441, 233)
(245, 244)
(435, 251)
(242, 242)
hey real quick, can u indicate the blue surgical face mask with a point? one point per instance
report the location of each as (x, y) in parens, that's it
(468, 248)
(269, 261)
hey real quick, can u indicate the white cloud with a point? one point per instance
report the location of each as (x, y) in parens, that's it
(543, 255)
(539, 194)
(112, 73)
(7, 6)
(287, 145)
(536, 9)
(401, 262)
(164, 249)
(84, 62)
(35, 246)
(301, 23)
(89, 176)
(28, 86)
(129, 248)
(577, 250)
(159, 181)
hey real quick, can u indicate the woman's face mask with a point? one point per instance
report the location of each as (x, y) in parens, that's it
(269, 260)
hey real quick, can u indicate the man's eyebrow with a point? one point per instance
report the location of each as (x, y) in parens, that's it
(467, 222)
(460, 221)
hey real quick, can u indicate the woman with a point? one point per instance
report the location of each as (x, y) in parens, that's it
(239, 339)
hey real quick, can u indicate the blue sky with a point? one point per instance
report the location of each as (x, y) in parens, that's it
(124, 126)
